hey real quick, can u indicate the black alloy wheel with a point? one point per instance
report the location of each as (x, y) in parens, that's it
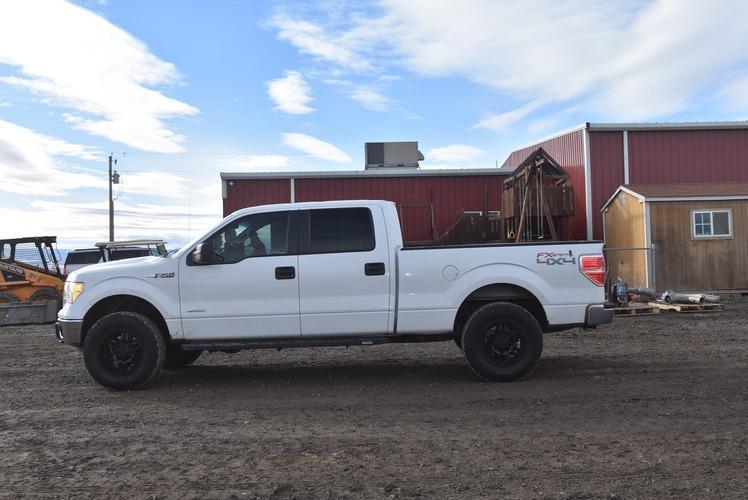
(502, 342)
(124, 350)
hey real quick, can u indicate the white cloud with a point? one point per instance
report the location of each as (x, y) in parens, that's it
(76, 59)
(454, 153)
(311, 39)
(371, 98)
(212, 190)
(33, 163)
(40, 164)
(735, 94)
(675, 50)
(622, 61)
(153, 183)
(291, 94)
(315, 147)
(503, 121)
(258, 162)
(86, 223)
(545, 123)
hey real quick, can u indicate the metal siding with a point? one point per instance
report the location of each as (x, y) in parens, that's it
(450, 196)
(568, 151)
(606, 169)
(250, 193)
(655, 156)
(677, 156)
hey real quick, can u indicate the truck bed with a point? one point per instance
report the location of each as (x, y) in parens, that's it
(485, 245)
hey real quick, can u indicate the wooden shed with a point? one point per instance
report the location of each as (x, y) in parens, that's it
(698, 233)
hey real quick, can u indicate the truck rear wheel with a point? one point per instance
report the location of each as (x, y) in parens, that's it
(177, 358)
(502, 342)
(124, 350)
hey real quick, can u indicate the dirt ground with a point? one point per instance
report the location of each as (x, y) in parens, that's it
(651, 406)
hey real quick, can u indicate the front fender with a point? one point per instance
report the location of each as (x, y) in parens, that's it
(163, 300)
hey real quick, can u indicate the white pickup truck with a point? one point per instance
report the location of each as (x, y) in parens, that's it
(328, 274)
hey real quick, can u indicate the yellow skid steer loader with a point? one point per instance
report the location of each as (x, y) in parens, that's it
(31, 282)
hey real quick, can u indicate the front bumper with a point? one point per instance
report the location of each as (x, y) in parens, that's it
(69, 331)
(599, 314)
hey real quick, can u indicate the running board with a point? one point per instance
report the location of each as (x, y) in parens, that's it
(285, 343)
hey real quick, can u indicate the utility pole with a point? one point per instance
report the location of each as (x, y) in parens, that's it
(111, 203)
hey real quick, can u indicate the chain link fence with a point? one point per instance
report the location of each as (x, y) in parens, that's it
(635, 266)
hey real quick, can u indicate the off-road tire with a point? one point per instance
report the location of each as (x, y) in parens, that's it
(496, 329)
(8, 298)
(101, 361)
(44, 294)
(177, 358)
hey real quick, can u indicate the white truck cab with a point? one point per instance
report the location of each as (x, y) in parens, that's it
(328, 274)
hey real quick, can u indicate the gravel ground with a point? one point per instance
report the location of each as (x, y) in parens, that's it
(651, 406)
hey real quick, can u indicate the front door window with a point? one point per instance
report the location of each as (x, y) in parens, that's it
(256, 235)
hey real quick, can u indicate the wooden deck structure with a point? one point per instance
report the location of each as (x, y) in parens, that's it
(537, 201)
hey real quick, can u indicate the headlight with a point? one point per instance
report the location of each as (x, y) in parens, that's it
(72, 291)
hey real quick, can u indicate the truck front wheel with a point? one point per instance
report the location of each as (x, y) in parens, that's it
(502, 342)
(124, 350)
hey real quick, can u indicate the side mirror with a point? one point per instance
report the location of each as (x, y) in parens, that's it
(200, 254)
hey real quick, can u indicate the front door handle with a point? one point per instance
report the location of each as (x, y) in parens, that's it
(285, 273)
(374, 268)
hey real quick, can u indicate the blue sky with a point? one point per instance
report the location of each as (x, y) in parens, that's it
(180, 91)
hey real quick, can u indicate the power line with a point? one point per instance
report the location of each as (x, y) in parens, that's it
(213, 153)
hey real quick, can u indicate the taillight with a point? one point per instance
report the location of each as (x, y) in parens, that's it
(593, 266)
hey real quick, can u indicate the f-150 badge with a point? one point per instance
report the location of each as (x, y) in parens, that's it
(161, 275)
(554, 258)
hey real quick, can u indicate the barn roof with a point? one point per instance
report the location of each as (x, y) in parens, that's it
(689, 190)
(383, 172)
(510, 161)
(539, 157)
(684, 191)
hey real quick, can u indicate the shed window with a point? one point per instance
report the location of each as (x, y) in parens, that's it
(712, 223)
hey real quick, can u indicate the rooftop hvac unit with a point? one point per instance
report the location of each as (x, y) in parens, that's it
(392, 154)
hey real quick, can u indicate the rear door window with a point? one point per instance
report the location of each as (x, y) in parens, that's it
(336, 230)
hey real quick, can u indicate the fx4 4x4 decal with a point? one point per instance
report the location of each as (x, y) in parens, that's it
(555, 258)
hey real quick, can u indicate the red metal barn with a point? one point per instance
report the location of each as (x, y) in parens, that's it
(429, 201)
(599, 157)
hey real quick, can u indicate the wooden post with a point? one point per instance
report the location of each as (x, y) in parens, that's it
(554, 235)
(522, 212)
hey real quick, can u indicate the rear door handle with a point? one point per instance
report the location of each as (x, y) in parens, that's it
(285, 273)
(374, 268)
